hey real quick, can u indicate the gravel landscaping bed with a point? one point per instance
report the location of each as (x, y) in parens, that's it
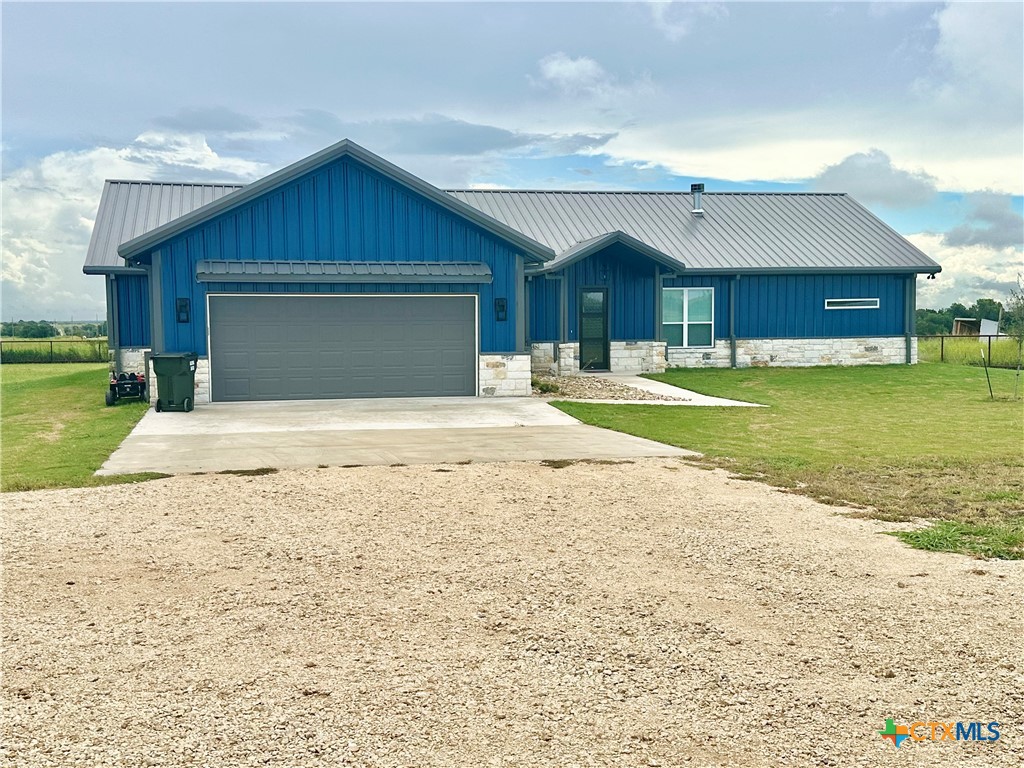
(594, 388)
(592, 614)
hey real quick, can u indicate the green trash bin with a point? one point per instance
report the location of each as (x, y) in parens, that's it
(175, 380)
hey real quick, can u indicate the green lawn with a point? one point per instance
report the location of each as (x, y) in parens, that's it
(901, 442)
(55, 429)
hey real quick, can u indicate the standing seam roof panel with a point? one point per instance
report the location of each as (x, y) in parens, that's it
(129, 209)
(739, 231)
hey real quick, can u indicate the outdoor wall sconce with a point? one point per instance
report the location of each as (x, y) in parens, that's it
(501, 310)
(181, 308)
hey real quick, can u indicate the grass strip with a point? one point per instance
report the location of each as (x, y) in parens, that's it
(56, 430)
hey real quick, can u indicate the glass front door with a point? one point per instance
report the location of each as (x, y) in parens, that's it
(594, 329)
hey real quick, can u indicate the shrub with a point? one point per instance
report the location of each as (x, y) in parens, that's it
(544, 386)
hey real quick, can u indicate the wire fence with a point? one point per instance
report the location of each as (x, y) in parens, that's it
(999, 351)
(53, 351)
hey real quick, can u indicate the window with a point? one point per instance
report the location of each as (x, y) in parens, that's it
(851, 303)
(687, 317)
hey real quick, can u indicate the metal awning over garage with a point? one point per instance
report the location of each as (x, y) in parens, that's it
(343, 272)
(304, 347)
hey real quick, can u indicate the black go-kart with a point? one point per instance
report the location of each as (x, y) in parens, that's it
(126, 386)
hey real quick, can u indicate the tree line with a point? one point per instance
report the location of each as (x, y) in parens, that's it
(43, 329)
(935, 322)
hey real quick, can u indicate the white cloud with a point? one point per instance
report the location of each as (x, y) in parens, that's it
(573, 75)
(991, 221)
(584, 78)
(872, 178)
(676, 20)
(797, 144)
(969, 272)
(48, 210)
(175, 152)
(978, 51)
(712, 149)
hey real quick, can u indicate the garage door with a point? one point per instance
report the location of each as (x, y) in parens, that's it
(305, 347)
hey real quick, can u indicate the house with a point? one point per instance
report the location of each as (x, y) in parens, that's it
(343, 275)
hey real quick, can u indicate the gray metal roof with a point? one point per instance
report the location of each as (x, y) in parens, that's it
(343, 272)
(132, 208)
(739, 231)
(535, 252)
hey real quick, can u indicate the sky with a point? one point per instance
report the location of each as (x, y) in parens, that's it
(915, 109)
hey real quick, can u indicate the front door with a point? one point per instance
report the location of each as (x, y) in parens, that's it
(594, 329)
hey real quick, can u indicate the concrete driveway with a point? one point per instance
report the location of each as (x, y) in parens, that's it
(309, 433)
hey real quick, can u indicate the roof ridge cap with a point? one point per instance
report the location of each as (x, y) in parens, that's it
(647, 192)
(176, 183)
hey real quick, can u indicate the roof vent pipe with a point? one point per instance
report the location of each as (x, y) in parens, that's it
(697, 190)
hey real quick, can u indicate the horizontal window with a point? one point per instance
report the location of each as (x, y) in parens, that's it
(851, 303)
(687, 317)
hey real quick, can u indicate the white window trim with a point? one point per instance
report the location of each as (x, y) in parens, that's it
(685, 322)
(875, 304)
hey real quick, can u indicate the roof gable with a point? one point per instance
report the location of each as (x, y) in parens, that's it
(137, 246)
(592, 245)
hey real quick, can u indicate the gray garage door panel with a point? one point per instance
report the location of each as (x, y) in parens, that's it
(309, 347)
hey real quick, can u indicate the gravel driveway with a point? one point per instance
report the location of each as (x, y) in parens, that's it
(633, 614)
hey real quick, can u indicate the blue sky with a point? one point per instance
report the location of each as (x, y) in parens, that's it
(915, 109)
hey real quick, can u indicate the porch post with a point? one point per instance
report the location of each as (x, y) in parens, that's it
(521, 321)
(156, 320)
(563, 308)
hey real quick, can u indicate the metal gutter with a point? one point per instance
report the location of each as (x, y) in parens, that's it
(113, 271)
(814, 271)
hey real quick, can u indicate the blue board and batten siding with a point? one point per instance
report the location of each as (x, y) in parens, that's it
(793, 306)
(545, 308)
(767, 306)
(629, 278)
(339, 212)
(131, 294)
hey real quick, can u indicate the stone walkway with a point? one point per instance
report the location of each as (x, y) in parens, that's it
(661, 388)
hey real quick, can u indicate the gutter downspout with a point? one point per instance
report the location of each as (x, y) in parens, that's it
(732, 320)
(113, 318)
(527, 282)
(910, 317)
(521, 299)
